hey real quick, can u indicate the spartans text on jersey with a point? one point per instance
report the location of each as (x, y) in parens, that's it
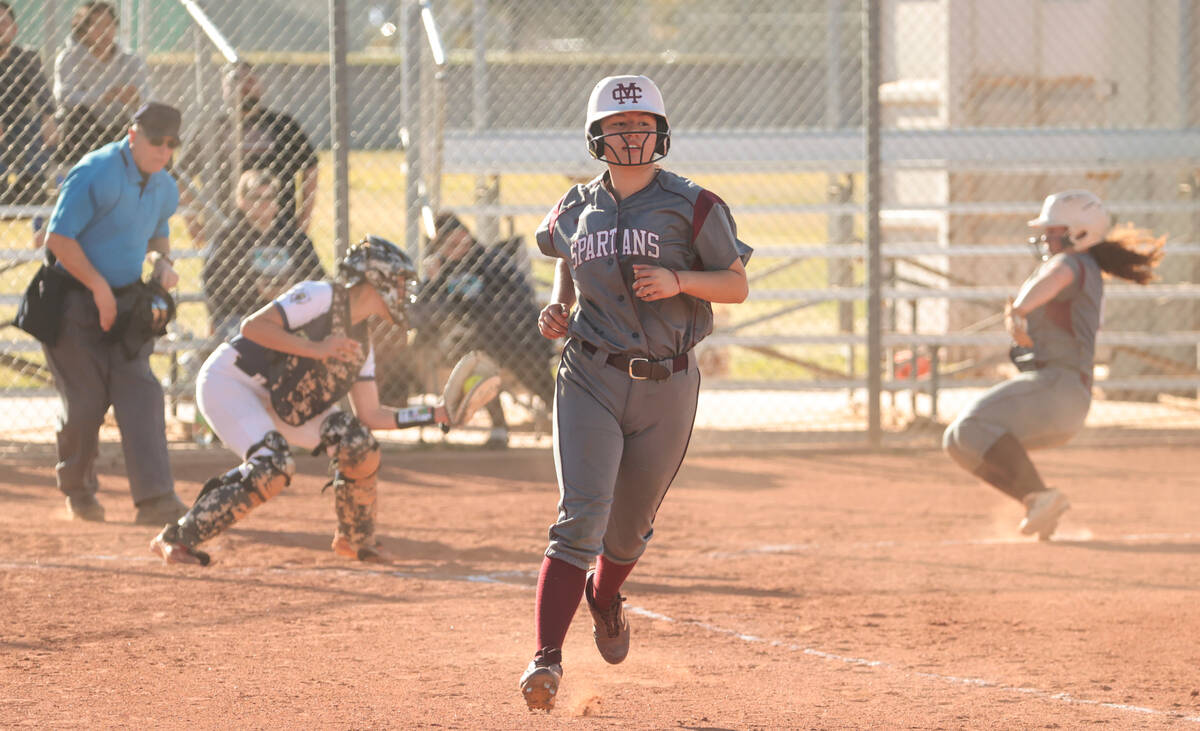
(634, 242)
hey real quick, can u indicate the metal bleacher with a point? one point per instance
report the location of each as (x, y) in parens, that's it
(997, 151)
(1016, 151)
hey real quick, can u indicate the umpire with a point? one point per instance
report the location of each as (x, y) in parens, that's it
(110, 215)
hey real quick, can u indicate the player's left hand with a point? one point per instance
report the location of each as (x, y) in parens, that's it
(652, 283)
(165, 273)
(552, 321)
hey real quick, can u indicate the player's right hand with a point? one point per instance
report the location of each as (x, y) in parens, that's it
(552, 323)
(337, 346)
(1014, 322)
(442, 418)
(106, 305)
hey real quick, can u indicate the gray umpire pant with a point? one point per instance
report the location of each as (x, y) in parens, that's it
(90, 375)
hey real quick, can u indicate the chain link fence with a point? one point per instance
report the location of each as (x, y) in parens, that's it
(465, 127)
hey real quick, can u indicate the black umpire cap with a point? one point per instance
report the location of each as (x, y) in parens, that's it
(158, 120)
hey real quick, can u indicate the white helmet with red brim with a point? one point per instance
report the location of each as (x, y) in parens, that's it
(618, 94)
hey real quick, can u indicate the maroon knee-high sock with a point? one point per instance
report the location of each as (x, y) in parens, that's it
(559, 591)
(609, 577)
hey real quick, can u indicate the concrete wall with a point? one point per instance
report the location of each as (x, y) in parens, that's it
(1038, 63)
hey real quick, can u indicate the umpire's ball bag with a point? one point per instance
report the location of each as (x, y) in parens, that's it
(41, 308)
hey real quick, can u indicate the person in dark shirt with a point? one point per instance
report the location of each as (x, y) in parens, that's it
(479, 298)
(256, 256)
(271, 141)
(27, 127)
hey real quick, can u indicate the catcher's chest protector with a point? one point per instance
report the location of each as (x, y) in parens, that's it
(303, 387)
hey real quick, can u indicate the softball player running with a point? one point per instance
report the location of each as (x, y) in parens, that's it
(274, 386)
(642, 252)
(1053, 323)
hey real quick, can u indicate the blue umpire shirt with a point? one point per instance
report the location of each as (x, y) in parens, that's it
(113, 210)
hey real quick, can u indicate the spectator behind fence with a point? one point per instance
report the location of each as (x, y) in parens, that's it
(27, 128)
(96, 84)
(255, 257)
(479, 298)
(271, 140)
(111, 213)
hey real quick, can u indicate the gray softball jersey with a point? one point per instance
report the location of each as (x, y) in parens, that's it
(1046, 407)
(618, 441)
(1064, 329)
(672, 223)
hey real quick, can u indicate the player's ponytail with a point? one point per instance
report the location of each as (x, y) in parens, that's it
(1129, 253)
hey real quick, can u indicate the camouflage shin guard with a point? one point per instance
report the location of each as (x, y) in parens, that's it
(355, 501)
(355, 461)
(228, 498)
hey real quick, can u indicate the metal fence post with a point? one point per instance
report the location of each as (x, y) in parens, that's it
(339, 119)
(125, 25)
(49, 33)
(411, 113)
(487, 227)
(871, 202)
(839, 187)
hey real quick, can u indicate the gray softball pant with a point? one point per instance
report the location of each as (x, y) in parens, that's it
(618, 443)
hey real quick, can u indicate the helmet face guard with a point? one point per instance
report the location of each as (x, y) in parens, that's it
(385, 267)
(617, 95)
(395, 296)
(653, 145)
(1048, 244)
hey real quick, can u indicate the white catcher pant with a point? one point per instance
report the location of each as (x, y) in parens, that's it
(238, 407)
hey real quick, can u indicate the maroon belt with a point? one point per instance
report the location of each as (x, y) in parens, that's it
(641, 369)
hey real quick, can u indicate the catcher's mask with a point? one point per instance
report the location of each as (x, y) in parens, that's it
(162, 308)
(1080, 213)
(144, 309)
(618, 94)
(385, 267)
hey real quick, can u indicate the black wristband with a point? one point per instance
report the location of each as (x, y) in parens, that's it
(414, 416)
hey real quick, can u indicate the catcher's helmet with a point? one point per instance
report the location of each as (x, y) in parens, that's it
(385, 267)
(1081, 212)
(617, 94)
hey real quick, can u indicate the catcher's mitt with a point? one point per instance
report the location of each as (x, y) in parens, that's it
(474, 382)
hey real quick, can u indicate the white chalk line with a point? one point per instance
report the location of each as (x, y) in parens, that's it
(522, 579)
(879, 664)
(1067, 539)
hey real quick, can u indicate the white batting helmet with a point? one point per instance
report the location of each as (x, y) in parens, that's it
(617, 94)
(1082, 213)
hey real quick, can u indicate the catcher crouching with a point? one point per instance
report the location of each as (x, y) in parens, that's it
(275, 386)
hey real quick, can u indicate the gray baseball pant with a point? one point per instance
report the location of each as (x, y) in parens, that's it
(618, 444)
(1042, 408)
(90, 375)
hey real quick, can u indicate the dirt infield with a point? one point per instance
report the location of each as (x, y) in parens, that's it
(803, 590)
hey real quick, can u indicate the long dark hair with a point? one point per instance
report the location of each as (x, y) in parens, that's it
(1129, 253)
